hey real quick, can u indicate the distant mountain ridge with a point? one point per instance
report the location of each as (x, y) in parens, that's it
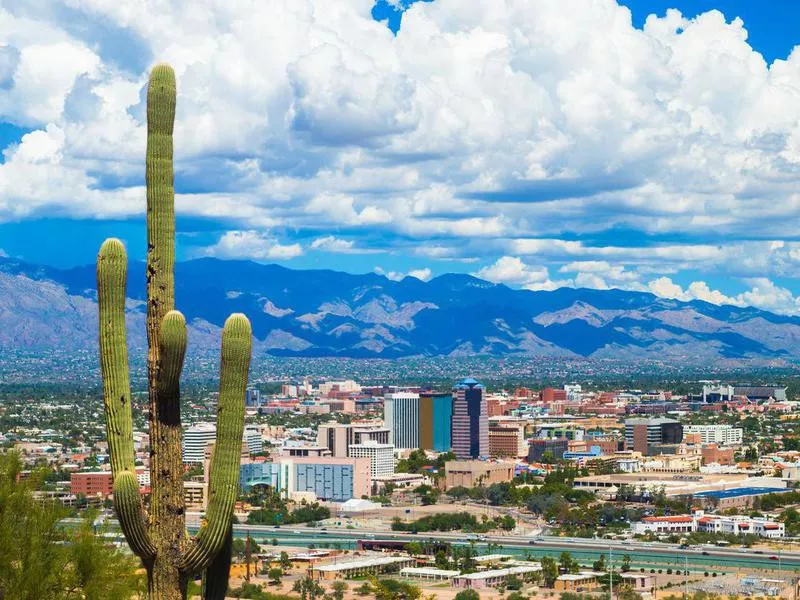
(329, 313)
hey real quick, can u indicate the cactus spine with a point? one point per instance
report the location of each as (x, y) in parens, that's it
(158, 536)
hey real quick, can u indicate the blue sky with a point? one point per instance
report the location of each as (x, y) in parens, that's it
(530, 144)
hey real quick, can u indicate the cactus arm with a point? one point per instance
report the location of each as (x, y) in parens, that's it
(112, 267)
(215, 577)
(172, 351)
(224, 473)
(128, 504)
(111, 279)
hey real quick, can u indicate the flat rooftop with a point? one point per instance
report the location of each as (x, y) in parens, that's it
(501, 572)
(429, 572)
(743, 491)
(377, 561)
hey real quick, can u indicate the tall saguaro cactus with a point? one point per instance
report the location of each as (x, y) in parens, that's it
(158, 535)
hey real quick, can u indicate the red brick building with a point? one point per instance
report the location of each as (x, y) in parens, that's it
(712, 453)
(494, 407)
(548, 395)
(97, 483)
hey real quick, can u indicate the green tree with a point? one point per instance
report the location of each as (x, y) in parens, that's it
(626, 563)
(414, 548)
(514, 583)
(41, 559)
(239, 547)
(549, 571)
(286, 563)
(467, 595)
(308, 588)
(365, 589)
(391, 589)
(567, 563)
(275, 574)
(626, 592)
(600, 564)
(338, 590)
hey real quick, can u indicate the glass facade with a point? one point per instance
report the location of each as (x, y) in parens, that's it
(435, 421)
(275, 475)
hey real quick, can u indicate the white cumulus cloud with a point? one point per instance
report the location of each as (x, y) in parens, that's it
(484, 129)
(252, 245)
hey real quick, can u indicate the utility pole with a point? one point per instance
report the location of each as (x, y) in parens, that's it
(610, 575)
(247, 556)
(685, 576)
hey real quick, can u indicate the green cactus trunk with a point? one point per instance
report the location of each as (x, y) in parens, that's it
(159, 538)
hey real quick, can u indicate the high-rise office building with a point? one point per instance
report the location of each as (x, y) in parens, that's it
(381, 457)
(470, 431)
(200, 436)
(252, 438)
(401, 416)
(252, 398)
(642, 434)
(338, 437)
(195, 440)
(435, 421)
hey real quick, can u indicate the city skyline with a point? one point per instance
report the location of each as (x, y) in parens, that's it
(644, 153)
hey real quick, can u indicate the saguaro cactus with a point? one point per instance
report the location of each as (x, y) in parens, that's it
(158, 536)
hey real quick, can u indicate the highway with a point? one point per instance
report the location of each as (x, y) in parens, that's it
(649, 555)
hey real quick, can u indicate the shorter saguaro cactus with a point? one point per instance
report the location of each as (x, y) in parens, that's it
(158, 536)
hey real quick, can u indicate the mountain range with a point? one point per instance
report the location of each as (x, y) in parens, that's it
(329, 313)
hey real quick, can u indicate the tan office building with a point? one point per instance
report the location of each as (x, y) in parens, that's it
(471, 473)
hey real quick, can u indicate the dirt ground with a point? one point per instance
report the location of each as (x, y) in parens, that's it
(382, 518)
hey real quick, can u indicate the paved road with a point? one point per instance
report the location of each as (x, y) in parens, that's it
(585, 550)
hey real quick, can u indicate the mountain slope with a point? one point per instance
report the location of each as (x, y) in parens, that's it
(327, 313)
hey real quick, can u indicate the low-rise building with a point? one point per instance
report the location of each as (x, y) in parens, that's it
(470, 473)
(639, 582)
(714, 454)
(699, 521)
(742, 497)
(428, 574)
(268, 474)
(194, 493)
(577, 582)
(667, 524)
(724, 435)
(741, 525)
(495, 577)
(362, 567)
(92, 483)
(327, 477)
(551, 449)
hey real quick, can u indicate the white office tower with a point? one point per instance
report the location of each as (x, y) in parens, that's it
(401, 416)
(381, 457)
(252, 437)
(195, 440)
(724, 435)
